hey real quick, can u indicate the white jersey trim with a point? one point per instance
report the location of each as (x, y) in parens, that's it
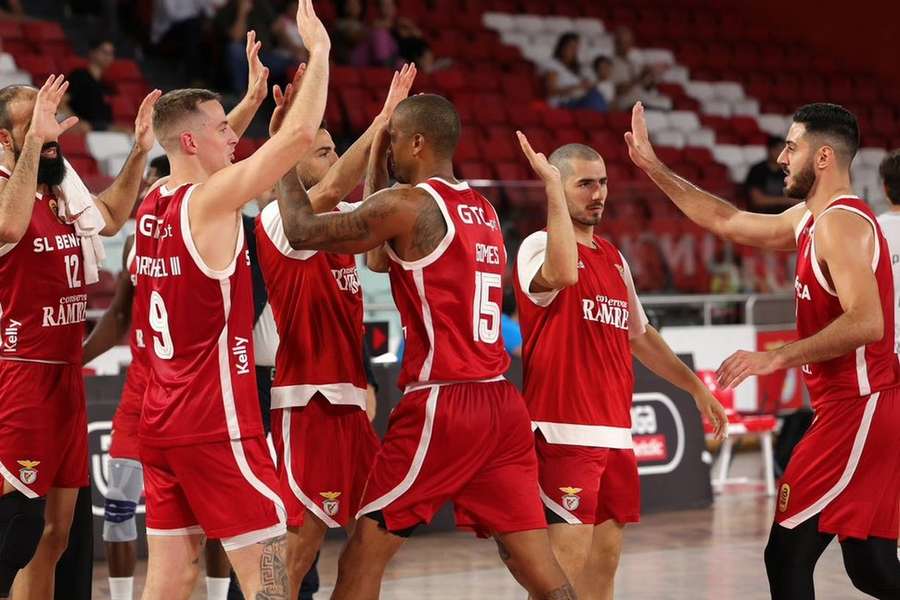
(34, 360)
(636, 326)
(17, 483)
(558, 509)
(419, 279)
(253, 537)
(345, 394)
(418, 459)
(292, 482)
(421, 385)
(237, 450)
(444, 243)
(817, 269)
(231, 419)
(593, 436)
(803, 221)
(192, 249)
(273, 225)
(862, 372)
(532, 253)
(192, 530)
(7, 248)
(859, 444)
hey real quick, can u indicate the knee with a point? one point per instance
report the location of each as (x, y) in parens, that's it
(873, 577)
(605, 561)
(55, 538)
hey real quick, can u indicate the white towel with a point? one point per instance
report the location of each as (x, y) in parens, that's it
(77, 206)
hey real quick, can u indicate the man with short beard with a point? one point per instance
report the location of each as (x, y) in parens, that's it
(842, 478)
(45, 249)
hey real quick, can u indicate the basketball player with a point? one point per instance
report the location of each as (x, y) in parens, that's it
(318, 306)
(889, 169)
(842, 477)
(46, 252)
(578, 307)
(207, 467)
(461, 432)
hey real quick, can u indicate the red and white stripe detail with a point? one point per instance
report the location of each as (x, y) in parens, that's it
(295, 487)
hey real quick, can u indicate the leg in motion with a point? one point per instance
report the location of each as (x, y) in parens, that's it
(364, 559)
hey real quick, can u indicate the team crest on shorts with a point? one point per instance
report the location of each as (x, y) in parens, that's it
(783, 496)
(28, 474)
(330, 504)
(570, 499)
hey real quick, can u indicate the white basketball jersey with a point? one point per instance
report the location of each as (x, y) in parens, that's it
(890, 226)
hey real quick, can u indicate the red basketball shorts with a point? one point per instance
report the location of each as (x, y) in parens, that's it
(470, 443)
(325, 452)
(847, 469)
(227, 490)
(43, 427)
(585, 485)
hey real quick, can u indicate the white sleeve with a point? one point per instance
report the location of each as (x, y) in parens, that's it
(637, 322)
(274, 228)
(347, 206)
(528, 265)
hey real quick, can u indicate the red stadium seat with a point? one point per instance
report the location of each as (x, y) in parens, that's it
(123, 70)
(476, 170)
(739, 425)
(39, 66)
(40, 32)
(124, 108)
(501, 149)
(84, 165)
(511, 171)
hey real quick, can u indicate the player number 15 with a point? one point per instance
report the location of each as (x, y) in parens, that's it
(486, 312)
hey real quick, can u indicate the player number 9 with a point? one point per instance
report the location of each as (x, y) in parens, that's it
(159, 322)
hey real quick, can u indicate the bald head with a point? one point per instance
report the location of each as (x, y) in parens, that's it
(563, 157)
(434, 118)
(9, 95)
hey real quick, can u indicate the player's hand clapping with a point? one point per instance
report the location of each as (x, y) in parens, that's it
(638, 139)
(143, 123)
(399, 90)
(539, 163)
(43, 118)
(315, 36)
(257, 72)
(283, 99)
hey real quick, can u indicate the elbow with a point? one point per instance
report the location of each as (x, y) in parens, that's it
(11, 234)
(873, 330)
(563, 280)
(298, 239)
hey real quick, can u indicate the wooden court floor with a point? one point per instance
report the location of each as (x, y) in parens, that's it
(713, 554)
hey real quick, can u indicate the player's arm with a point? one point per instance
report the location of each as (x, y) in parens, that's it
(17, 193)
(845, 243)
(380, 218)
(774, 232)
(377, 178)
(114, 323)
(560, 268)
(242, 115)
(229, 189)
(351, 166)
(655, 354)
(116, 202)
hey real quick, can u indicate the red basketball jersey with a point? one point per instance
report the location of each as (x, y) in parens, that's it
(199, 331)
(449, 301)
(128, 413)
(318, 307)
(42, 295)
(870, 368)
(576, 348)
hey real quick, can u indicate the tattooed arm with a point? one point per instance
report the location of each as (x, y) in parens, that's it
(406, 216)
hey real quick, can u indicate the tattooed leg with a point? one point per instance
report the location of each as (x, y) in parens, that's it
(530, 559)
(261, 569)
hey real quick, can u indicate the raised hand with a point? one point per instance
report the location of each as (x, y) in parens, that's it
(400, 86)
(538, 161)
(257, 73)
(638, 139)
(315, 36)
(283, 99)
(143, 123)
(43, 118)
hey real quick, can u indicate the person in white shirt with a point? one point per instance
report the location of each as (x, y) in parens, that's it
(566, 85)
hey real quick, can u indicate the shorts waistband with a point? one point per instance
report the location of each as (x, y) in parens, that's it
(427, 385)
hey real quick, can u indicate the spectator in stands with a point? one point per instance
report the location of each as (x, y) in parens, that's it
(87, 91)
(566, 86)
(349, 33)
(602, 73)
(238, 17)
(11, 9)
(290, 43)
(178, 31)
(633, 80)
(765, 182)
(889, 169)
